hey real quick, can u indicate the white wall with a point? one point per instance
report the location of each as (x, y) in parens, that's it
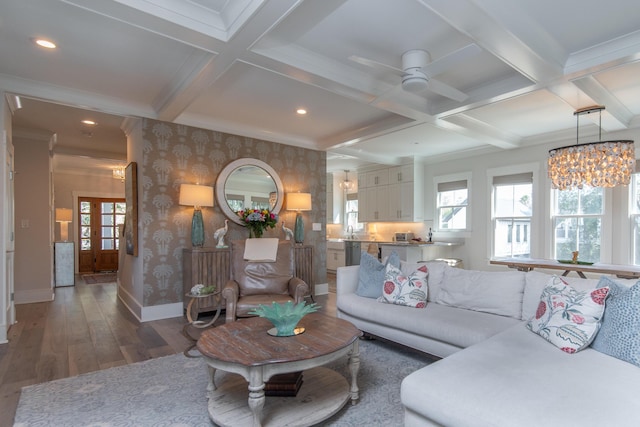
(476, 249)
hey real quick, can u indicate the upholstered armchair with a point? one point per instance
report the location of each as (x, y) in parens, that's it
(257, 282)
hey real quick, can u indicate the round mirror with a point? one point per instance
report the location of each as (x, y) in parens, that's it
(248, 184)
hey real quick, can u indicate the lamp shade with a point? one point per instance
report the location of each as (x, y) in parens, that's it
(64, 215)
(299, 201)
(196, 195)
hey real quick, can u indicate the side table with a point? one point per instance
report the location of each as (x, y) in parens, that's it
(212, 299)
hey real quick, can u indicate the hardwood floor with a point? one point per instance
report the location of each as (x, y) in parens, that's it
(84, 329)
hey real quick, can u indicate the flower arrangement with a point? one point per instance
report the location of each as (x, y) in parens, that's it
(257, 220)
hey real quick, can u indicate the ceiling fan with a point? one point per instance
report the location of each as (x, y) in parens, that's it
(418, 70)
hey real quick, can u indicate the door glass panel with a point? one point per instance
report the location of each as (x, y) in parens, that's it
(107, 220)
(107, 207)
(107, 244)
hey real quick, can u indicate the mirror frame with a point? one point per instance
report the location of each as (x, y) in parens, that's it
(229, 169)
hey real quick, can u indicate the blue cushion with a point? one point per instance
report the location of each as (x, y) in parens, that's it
(371, 275)
(619, 334)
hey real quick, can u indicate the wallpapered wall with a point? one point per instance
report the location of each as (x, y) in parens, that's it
(175, 154)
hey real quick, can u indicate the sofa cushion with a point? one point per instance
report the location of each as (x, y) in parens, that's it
(408, 290)
(455, 326)
(435, 278)
(535, 282)
(619, 334)
(566, 317)
(517, 379)
(371, 274)
(487, 291)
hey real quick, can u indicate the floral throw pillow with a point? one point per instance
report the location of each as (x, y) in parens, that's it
(406, 290)
(567, 318)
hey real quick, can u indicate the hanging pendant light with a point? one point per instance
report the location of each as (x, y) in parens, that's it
(346, 184)
(595, 164)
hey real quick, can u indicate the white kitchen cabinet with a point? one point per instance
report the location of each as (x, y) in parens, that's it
(373, 204)
(401, 199)
(400, 174)
(335, 255)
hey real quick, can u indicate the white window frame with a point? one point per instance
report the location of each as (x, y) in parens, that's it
(464, 176)
(536, 244)
(606, 238)
(511, 180)
(634, 213)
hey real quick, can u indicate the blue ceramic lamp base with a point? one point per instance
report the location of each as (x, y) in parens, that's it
(298, 232)
(197, 229)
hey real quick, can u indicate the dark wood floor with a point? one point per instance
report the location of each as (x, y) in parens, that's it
(85, 329)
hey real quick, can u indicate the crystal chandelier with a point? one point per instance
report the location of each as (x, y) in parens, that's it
(596, 164)
(118, 173)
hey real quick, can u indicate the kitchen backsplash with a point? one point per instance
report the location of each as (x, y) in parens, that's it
(381, 231)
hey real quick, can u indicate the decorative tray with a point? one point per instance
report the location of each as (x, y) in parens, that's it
(569, 261)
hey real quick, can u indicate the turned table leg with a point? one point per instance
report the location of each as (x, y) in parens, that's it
(256, 396)
(354, 367)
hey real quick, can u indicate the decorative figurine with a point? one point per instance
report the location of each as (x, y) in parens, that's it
(220, 233)
(574, 259)
(287, 232)
(430, 235)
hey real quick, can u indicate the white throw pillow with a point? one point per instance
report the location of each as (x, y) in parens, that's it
(566, 317)
(401, 289)
(496, 292)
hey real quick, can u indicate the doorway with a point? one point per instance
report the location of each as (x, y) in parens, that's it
(99, 230)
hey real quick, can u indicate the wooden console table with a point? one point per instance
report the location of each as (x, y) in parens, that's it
(528, 264)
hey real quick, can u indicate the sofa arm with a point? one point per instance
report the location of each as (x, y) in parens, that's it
(347, 279)
(230, 293)
(298, 289)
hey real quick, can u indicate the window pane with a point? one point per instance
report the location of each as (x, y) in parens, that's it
(513, 200)
(511, 238)
(121, 208)
(450, 198)
(85, 231)
(107, 232)
(85, 244)
(107, 244)
(85, 219)
(107, 219)
(107, 207)
(591, 201)
(453, 218)
(578, 234)
(120, 219)
(85, 207)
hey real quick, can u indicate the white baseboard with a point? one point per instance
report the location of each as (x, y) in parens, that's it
(321, 288)
(147, 314)
(34, 295)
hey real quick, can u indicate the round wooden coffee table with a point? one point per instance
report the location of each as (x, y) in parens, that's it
(244, 347)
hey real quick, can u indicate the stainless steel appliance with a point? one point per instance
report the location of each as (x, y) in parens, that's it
(352, 250)
(404, 237)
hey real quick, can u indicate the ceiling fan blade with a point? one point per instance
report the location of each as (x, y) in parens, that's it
(441, 65)
(375, 64)
(446, 90)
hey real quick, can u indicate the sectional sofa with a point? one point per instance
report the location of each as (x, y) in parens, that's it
(495, 370)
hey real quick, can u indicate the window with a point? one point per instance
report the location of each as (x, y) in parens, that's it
(452, 205)
(577, 218)
(512, 213)
(351, 212)
(634, 215)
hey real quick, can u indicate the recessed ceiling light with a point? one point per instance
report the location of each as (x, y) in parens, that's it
(301, 111)
(89, 122)
(45, 43)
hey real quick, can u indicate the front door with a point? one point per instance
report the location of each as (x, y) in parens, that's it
(100, 221)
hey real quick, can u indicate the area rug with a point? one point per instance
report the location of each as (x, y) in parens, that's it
(170, 391)
(92, 279)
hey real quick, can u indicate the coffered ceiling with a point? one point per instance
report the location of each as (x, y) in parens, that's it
(245, 66)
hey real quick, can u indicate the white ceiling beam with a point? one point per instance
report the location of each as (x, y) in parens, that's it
(512, 37)
(592, 87)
